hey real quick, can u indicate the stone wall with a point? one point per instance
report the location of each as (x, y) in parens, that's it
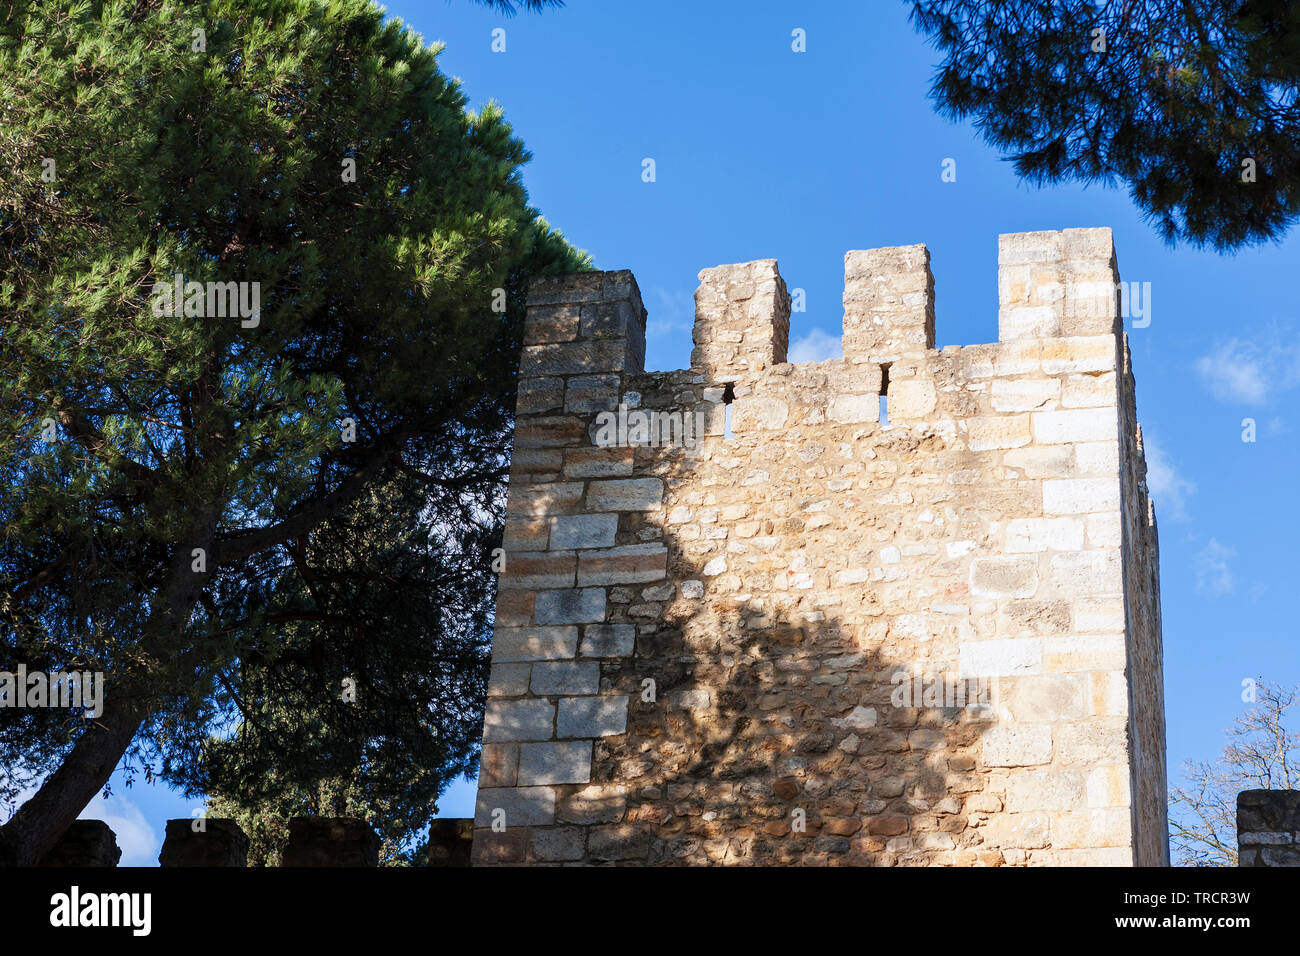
(702, 645)
(1268, 828)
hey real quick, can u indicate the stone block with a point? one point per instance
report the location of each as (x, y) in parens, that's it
(1074, 425)
(84, 843)
(571, 532)
(554, 763)
(330, 841)
(1001, 658)
(629, 564)
(608, 640)
(578, 606)
(552, 678)
(220, 842)
(592, 716)
(451, 842)
(506, 720)
(1004, 577)
(515, 806)
(1024, 745)
(1073, 496)
(631, 494)
(534, 643)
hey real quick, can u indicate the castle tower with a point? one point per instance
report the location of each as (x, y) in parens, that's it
(744, 621)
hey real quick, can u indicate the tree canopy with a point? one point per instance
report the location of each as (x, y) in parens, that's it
(1191, 104)
(231, 499)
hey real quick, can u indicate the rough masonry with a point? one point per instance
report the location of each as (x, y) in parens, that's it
(764, 649)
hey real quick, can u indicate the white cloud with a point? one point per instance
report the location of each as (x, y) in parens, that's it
(1168, 488)
(138, 841)
(816, 346)
(669, 312)
(1213, 575)
(1251, 373)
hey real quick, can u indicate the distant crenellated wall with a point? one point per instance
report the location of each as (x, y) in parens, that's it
(699, 644)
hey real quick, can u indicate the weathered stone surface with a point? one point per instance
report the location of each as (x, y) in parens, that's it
(592, 716)
(514, 807)
(330, 841)
(578, 606)
(583, 531)
(1268, 828)
(723, 662)
(608, 640)
(84, 843)
(450, 842)
(518, 720)
(566, 761)
(565, 677)
(510, 644)
(632, 494)
(629, 564)
(210, 841)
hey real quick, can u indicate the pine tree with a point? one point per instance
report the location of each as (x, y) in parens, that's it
(198, 491)
(1192, 104)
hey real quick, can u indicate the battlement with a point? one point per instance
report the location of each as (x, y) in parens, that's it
(1050, 285)
(714, 577)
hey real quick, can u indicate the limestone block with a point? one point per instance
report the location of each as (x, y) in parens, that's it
(1004, 577)
(534, 569)
(629, 564)
(851, 409)
(1109, 787)
(592, 716)
(1084, 653)
(540, 500)
(598, 462)
(534, 643)
(551, 678)
(84, 843)
(1089, 391)
(911, 398)
(1023, 831)
(1044, 698)
(578, 606)
(1070, 426)
(1073, 496)
(1025, 394)
(757, 412)
(1002, 431)
(538, 395)
(1045, 790)
(1044, 534)
(1017, 746)
(631, 494)
(509, 679)
(585, 394)
(450, 842)
(330, 841)
(556, 844)
(608, 640)
(515, 806)
(569, 532)
(998, 658)
(551, 323)
(1089, 353)
(518, 720)
(554, 763)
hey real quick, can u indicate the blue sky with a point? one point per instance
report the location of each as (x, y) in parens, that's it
(761, 152)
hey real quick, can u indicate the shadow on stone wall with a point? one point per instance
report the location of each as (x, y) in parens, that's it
(771, 738)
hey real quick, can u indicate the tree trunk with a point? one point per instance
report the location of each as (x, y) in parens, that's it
(39, 822)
